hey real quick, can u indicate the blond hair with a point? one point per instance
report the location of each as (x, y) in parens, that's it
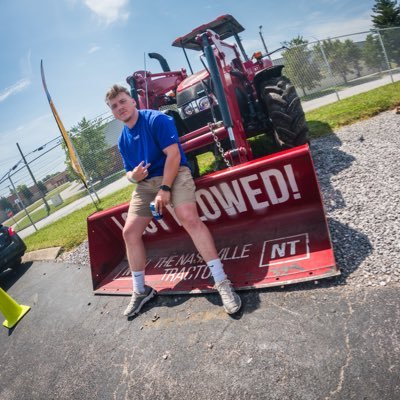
(114, 91)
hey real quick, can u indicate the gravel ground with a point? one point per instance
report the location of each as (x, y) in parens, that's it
(357, 168)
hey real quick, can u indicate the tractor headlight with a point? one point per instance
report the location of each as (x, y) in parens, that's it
(204, 103)
(194, 107)
(188, 110)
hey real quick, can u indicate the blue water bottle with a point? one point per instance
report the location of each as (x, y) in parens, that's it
(155, 213)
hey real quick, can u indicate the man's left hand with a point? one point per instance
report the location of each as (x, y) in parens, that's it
(161, 200)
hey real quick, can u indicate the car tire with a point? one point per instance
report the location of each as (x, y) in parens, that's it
(16, 263)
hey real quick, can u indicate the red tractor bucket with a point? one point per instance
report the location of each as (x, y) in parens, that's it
(266, 217)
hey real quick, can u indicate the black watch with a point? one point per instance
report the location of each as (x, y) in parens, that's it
(166, 188)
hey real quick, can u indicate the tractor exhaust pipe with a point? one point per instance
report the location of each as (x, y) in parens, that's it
(163, 62)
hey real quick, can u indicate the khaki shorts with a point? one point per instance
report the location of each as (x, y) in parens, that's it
(182, 191)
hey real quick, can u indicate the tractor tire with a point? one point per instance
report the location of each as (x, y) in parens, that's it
(285, 112)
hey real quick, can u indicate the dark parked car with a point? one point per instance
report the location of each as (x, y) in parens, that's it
(12, 248)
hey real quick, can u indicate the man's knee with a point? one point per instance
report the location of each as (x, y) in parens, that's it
(130, 234)
(189, 218)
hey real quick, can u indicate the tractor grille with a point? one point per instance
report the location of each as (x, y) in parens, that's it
(191, 93)
(201, 119)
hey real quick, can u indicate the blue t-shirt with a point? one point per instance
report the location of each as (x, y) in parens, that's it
(153, 132)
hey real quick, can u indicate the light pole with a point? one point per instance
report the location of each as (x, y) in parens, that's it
(33, 178)
(263, 42)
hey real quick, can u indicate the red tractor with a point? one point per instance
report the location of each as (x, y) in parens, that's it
(244, 98)
(266, 214)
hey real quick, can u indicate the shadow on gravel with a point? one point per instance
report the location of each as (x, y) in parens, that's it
(329, 161)
(10, 276)
(350, 246)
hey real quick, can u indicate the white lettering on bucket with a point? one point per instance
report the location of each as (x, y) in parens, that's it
(256, 191)
(285, 250)
(189, 269)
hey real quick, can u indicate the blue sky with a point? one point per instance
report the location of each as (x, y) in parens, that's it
(87, 45)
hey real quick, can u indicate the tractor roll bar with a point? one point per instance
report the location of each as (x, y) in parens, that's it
(219, 90)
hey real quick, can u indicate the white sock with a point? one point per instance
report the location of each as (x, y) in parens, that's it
(138, 281)
(217, 270)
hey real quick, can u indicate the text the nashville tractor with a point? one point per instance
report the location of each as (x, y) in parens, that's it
(266, 214)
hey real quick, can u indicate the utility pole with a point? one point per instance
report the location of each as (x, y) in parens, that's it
(34, 180)
(263, 42)
(19, 198)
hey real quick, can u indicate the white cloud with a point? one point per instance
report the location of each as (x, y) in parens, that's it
(15, 88)
(334, 28)
(93, 49)
(319, 28)
(109, 11)
(34, 124)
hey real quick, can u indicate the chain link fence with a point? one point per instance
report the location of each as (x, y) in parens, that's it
(331, 69)
(43, 181)
(323, 71)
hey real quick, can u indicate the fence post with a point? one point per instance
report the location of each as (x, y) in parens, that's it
(34, 180)
(19, 198)
(327, 64)
(385, 54)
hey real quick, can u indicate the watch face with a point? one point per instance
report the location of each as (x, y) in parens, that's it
(165, 188)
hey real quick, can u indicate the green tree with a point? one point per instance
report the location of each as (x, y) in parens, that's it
(25, 191)
(372, 53)
(5, 204)
(387, 15)
(42, 187)
(90, 144)
(337, 57)
(301, 66)
(353, 54)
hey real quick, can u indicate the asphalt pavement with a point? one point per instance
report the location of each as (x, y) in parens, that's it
(296, 342)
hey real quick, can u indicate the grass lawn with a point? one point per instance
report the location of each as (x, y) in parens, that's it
(42, 213)
(21, 214)
(71, 230)
(326, 119)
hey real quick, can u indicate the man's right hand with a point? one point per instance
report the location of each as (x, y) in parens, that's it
(140, 172)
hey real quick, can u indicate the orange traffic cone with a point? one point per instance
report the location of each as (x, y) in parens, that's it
(11, 309)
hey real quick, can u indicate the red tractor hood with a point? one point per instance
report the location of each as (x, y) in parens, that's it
(192, 79)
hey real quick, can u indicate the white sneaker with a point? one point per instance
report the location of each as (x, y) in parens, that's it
(230, 299)
(137, 301)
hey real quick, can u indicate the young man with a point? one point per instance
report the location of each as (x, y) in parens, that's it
(154, 160)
